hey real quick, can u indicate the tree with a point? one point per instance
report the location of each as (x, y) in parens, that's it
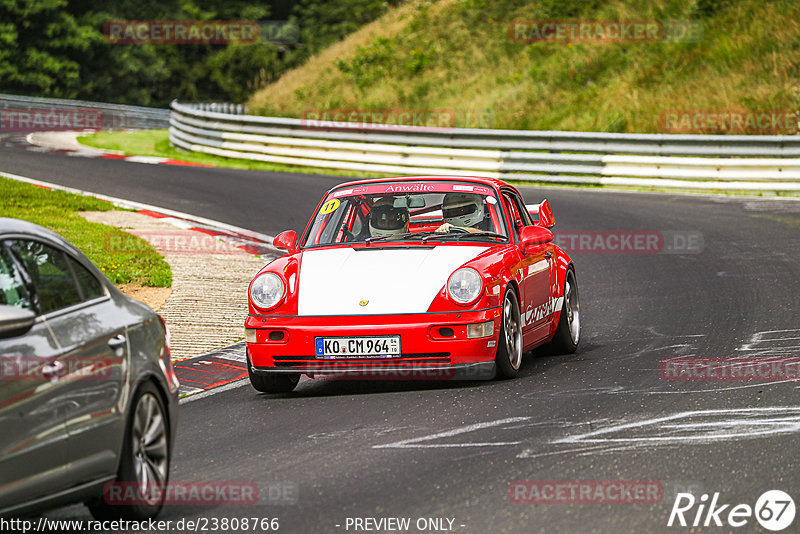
(39, 46)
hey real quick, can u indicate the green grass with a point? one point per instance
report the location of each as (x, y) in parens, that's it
(457, 55)
(58, 211)
(156, 143)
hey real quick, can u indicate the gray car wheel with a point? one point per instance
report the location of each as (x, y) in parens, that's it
(144, 465)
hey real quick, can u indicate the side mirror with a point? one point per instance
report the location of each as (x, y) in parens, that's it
(286, 241)
(544, 213)
(535, 235)
(15, 321)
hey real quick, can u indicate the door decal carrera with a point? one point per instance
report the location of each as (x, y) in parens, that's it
(532, 315)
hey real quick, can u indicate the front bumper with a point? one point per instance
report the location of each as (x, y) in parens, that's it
(286, 344)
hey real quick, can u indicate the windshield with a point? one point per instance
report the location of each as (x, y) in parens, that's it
(408, 211)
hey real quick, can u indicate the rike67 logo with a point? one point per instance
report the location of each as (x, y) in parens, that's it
(774, 511)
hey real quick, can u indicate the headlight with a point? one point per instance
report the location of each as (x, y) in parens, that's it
(465, 286)
(267, 290)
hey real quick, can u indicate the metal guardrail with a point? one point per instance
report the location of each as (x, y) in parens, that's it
(114, 116)
(662, 160)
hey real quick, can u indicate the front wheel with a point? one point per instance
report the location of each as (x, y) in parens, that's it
(568, 331)
(509, 345)
(272, 383)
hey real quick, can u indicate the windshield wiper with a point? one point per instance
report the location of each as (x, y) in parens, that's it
(459, 235)
(481, 234)
(397, 236)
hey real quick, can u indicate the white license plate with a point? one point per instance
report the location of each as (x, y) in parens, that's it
(358, 347)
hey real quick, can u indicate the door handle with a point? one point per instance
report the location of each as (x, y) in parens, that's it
(117, 342)
(51, 370)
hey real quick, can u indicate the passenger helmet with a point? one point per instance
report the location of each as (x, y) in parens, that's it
(462, 209)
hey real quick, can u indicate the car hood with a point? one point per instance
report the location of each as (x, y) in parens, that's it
(391, 280)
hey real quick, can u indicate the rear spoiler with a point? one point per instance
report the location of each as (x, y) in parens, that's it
(542, 214)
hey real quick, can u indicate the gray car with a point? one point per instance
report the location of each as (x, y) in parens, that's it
(88, 396)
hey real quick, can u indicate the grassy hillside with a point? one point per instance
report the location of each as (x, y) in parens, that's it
(457, 55)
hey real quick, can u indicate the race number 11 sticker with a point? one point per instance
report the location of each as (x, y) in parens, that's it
(329, 207)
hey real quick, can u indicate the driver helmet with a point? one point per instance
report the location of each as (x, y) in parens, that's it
(386, 219)
(462, 209)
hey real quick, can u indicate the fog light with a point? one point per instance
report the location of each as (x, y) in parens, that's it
(250, 335)
(275, 335)
(480, 329)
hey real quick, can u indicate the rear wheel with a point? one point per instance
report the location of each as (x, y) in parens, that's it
(272, 383)
(144, 465)
(509, 345)
(568, 331)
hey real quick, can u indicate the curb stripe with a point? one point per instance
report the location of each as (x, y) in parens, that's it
(211, 370)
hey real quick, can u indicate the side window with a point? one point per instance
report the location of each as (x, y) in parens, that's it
(358, 224)
(513, 213)
(517, 210)
(346, 223)
(523, 210)
(89, 285)
(361, 224)
(49, 273)
(12, 288)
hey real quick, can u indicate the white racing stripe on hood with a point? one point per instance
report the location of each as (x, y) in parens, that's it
(393, 280)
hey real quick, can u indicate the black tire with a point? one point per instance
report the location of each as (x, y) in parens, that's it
(568, 331)
(509, 344)
(144, 463)
(272, 383)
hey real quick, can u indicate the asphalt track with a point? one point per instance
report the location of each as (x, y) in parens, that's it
(451, 450)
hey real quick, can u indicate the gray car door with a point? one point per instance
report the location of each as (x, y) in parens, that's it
(33, 437)
(91, 333)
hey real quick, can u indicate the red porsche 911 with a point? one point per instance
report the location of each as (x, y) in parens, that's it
(414, 277)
